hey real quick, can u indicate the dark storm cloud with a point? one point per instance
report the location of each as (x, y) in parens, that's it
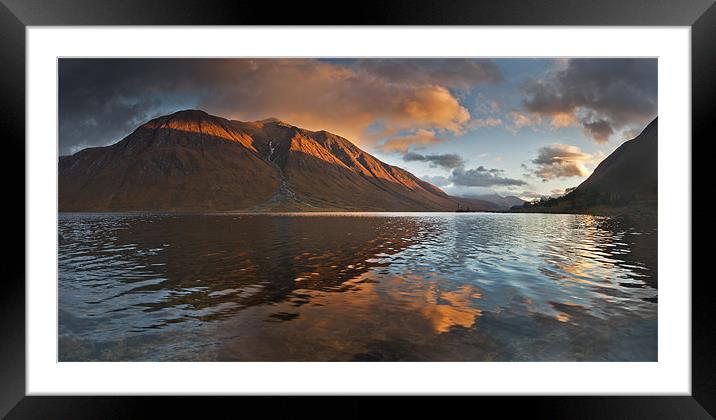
(459, 72)
(482, 177)
(599, 130)
(448, 160)
(102, 100)
(603, 94)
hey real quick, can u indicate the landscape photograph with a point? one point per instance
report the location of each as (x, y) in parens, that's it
(357, 209)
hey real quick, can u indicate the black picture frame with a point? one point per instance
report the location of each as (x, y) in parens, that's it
(16, 15)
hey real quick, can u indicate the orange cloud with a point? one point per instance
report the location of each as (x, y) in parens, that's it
(563, 119)
(403, 143)
(519, 120)
(561, 161)
(458, 310)
(365, 100)
(435, 106)
(326, 96)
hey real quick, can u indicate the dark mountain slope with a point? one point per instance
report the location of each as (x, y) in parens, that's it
(192, 161)
(626, 181)
(629, 174)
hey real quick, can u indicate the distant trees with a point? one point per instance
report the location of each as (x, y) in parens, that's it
(545, 201)
(579, 199)
(542, 201)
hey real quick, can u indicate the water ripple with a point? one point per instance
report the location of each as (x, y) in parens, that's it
(358, 286)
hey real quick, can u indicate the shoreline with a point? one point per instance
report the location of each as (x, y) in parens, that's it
(592, 212)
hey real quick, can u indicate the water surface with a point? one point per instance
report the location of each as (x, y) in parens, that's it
(356, 287)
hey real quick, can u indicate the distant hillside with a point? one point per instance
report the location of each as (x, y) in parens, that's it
(503, 203)
(193, 161)
(477, 204)
(489, 202)
(626, 181)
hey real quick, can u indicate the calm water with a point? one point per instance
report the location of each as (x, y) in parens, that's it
(371, 287)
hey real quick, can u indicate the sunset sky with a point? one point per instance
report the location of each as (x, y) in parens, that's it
(525, 127)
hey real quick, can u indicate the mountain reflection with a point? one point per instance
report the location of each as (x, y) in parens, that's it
(355, 287)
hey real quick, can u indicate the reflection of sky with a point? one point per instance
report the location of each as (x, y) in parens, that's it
(442, 286)
(103, 101)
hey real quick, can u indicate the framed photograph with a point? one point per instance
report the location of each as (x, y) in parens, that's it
(461, 199)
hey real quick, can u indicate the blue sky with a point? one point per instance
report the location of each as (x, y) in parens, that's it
(516, 126)
(511, 148)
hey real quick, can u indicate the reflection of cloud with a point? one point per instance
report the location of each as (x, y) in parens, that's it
(458, 311)
(562, 317)
(584, 265)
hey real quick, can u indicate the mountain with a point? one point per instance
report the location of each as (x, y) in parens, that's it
(629, 174)
(474, 203)
(626, 179)
(193, 161)
(500, 202)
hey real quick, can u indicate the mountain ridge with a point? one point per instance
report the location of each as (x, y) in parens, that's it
(626, 181)
(193, 161)
(500, 202)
